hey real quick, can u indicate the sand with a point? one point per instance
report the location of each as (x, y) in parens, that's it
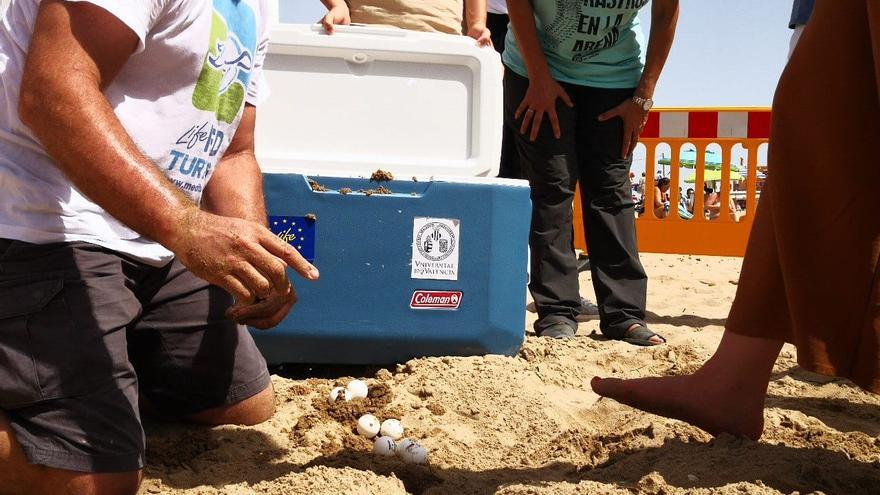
(530, 425)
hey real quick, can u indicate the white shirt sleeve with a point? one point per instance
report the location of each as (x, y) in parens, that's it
(258, 88)
(139, 15)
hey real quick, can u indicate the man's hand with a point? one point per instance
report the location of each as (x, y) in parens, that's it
(236, 191)
(246, 260)
(480, 33)
(337, 13)
(540, 100)
(634, 119)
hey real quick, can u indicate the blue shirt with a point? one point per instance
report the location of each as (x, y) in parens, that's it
(595, 43)
(800, 12)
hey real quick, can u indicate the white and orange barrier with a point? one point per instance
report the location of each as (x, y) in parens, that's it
(697, 128)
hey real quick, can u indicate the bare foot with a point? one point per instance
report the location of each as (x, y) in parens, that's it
(697, 399)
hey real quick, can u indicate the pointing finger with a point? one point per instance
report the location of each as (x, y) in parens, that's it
(289, 255)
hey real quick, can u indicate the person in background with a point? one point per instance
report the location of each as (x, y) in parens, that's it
(466, 17)
(690, 199)
(661, 198)
(816, 283)
(801, 10)
(712, 205)
(711, 202)
(577, 92)
(497, 21)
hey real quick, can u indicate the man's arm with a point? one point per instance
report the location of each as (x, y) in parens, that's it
(69, 64)
(236, 187)
(664, 18)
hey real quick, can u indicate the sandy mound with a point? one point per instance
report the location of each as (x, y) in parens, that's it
(530, 425)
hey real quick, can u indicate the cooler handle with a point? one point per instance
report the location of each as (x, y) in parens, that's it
(366, 29)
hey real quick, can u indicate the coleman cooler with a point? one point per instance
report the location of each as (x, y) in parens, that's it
(431, 263)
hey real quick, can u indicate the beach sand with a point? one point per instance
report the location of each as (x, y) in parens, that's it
(530, 424)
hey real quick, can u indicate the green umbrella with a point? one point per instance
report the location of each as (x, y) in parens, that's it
(688, 159)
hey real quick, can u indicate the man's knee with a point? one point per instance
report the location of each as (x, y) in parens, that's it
(102, 484)
(38, 480)
(251, 411)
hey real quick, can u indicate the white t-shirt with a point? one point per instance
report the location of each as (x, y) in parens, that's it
(497, 6)
(180, 96)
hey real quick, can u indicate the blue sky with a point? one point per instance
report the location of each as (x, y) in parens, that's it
(726, 52)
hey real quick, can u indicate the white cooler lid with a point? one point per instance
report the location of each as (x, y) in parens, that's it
(421, 104)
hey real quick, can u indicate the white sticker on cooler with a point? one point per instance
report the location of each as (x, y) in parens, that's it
(435, 248)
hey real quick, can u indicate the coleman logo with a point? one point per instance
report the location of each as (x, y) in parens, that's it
(435, 299)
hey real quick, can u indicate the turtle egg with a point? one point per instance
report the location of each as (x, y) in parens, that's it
(358, 389)
(415, 454)
(339, 393)
(384, 446)
(392, 428)
(368, 425)
(403, 445)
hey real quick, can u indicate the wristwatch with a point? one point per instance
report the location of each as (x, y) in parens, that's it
(645, 103)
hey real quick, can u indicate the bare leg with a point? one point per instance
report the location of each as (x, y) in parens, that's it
(18, 477)
(726, 395)
(251, 411)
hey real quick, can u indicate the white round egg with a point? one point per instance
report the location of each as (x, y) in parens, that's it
(368, 425)
(391, 428)
(358, 389)
(403, 445)
(417, 454)
(384, 446)
(411, 452)
(337, 394)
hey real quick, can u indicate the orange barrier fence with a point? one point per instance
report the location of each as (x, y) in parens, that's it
(727, 232)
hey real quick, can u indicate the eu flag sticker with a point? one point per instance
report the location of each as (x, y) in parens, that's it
(299, 232)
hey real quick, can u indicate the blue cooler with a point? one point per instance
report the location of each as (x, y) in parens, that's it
(431, 265)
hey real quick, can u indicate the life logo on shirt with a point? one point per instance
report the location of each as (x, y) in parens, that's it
(223, 81)
(594, 23)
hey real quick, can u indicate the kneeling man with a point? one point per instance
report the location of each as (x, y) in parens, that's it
(133, 246)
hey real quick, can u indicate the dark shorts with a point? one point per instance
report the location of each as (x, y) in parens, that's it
(84, 331)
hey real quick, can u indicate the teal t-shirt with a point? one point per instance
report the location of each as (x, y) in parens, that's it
(587, 42)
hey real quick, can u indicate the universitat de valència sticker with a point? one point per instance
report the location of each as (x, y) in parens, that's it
(435, 248)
